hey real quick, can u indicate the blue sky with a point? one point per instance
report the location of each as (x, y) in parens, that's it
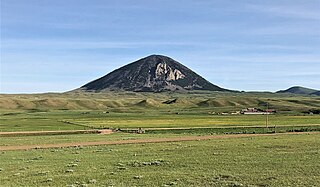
(59, 45)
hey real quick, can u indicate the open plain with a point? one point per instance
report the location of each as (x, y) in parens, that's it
(187, 139)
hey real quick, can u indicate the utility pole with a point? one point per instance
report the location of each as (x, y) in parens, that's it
(267, 115)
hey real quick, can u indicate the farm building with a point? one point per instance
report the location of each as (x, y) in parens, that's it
(257, 111)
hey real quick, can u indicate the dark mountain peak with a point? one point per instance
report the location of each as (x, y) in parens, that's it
(153, 73)
(156, 59)
(155, 56)
(298, 90)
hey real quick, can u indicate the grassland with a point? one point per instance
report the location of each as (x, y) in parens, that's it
(80, 120)
(201, 102)
(284, 160)
(37, 121)
(192, 120)
(148, 110)
(77, 138)
(277, 160)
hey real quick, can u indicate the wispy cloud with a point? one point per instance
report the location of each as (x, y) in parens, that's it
(286, 29)
(81, 44)
(73, 44)
(274, 59)
(289, 10)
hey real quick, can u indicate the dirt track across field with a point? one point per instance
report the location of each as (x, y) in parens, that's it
(137, 141)
(221, 127)
(64, 132)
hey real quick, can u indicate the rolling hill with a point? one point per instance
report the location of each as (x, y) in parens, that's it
(300, 90)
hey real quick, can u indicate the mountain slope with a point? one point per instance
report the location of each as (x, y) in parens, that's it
(298, 90)
(316, 93)
(154, 73)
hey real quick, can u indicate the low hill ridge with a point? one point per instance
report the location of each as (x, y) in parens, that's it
(299, 90)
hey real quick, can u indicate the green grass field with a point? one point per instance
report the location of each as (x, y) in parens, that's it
(37, 121)
(79, 120)
(124, 120)
(283, 160)
(257, 161)
(53, 139)
(149, 110)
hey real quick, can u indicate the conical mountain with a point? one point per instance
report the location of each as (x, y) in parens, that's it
(154, 73)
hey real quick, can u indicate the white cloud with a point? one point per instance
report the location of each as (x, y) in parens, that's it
(73, 44)
(292, 10)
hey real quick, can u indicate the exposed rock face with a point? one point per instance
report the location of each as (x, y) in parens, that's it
(154, 73)
(165, 72)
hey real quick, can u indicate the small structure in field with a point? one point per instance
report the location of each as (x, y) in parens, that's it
(270, 111)
(257, 111)
(235, 113)
(141, 131)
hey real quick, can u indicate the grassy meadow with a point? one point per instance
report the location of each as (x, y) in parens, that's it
(278, 160)
(282, 160)
(80, 120)
(78, 111)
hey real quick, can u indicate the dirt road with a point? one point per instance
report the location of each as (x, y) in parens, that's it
(137, 141)
(35, 133)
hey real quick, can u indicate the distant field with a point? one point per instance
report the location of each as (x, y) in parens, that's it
(80, 120)
(192, 120)
(283, 160)
(37, 121)
(78, 111)
(167, 101)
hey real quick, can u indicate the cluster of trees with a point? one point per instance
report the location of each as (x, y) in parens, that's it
(313, 111)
